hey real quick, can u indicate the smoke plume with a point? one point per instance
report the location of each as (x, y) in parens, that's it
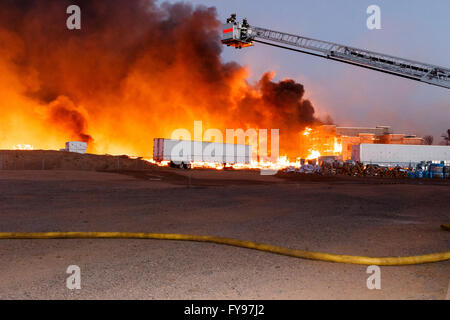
(135, 71)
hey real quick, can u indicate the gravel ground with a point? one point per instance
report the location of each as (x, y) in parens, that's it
(344, 217)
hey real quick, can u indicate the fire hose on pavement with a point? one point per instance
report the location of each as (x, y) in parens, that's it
(312, 255)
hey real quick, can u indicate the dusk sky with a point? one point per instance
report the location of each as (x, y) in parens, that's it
(414, 29)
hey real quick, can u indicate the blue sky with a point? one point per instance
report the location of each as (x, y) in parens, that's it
(415, 29)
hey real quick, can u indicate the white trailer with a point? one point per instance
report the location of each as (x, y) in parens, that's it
(76, 146)
(399, 154)
(186, 151)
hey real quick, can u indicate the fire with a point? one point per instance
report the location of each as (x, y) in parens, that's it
(308, 140)
(23, 147)
(313, 155)
(59, 86)
(282, 163)
(158, 163)
(307, 131)
(207, 165)
(315, 142)
(318, 141)
(337, 147)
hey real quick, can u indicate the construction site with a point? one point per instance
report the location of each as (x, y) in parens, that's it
(291, 206)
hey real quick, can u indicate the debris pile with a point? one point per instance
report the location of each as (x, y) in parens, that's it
(358, 169)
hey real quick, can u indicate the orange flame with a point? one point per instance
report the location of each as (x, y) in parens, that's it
(164, 73)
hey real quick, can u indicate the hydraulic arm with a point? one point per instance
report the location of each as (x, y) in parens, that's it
(241, 34)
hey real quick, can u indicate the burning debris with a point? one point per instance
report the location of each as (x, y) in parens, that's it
(424, 169)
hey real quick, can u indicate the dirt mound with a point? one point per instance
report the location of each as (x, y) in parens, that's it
(61, 160)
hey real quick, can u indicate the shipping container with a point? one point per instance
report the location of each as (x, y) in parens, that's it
(399, 154)
(76, 146)
(186, 151)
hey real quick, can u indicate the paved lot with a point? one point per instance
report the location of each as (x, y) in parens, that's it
(344, 217)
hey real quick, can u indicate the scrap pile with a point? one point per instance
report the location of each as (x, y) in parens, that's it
(351, 168)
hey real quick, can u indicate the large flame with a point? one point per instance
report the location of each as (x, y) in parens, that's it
(314, 154)
(135, 71)
(337, 147)
(317, 142)
(280, 164)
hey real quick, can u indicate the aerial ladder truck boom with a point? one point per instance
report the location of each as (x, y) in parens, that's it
(241, 35)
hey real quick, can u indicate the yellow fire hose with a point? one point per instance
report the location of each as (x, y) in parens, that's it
(383, 261)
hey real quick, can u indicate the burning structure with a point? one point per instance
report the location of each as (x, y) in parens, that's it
(331, 140)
